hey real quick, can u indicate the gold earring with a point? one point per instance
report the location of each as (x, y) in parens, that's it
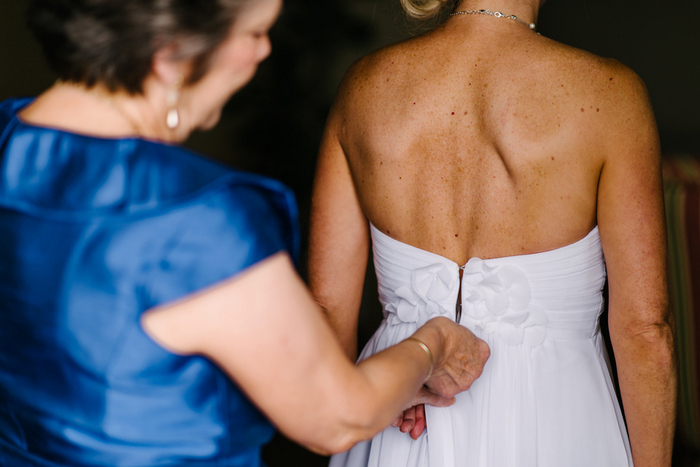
(172, 118)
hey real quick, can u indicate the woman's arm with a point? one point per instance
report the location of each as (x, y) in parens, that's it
(339, 239)
(633, 234)
(263, 328)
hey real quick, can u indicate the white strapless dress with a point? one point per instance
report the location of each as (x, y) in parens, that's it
(545, 398)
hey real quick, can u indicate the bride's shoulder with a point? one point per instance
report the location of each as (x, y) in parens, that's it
(587, 71)
(600, 90)
(603, 101)
(377, 75)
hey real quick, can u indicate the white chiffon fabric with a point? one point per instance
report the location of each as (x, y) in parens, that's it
(545, 398)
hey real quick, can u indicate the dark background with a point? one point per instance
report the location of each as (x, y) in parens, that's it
(274, 125)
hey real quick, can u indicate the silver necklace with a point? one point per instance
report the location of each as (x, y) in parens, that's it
(496, 14)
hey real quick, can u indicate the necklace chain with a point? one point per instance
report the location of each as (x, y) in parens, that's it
(496, 14)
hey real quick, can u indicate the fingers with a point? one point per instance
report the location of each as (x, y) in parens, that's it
(414, 422)
(426, 396)
(399, 420)
(409, 420)
(420, 422)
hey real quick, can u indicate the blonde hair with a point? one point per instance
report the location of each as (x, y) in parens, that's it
(425, 9)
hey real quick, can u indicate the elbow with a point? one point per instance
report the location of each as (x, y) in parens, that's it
(661, 339)
(347, 412)
(356, 424)
(345, 428)
(336, 440)
(655, 341)
(336, 445)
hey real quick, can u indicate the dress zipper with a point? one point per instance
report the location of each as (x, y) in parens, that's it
(458, 305)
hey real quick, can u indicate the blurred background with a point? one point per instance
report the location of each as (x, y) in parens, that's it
(274, 125)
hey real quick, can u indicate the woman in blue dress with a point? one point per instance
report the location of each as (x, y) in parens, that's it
(150, 313)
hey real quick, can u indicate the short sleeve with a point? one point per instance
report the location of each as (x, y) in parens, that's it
(224, 233)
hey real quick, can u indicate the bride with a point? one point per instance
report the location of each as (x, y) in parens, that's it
(500, 177)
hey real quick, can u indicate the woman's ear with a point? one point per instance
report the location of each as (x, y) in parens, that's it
(166, 69)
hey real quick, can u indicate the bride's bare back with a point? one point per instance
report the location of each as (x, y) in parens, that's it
(481, 138)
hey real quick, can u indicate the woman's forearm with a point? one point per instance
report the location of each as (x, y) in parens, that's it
(263, 329)
(372, 397)
(646, 369)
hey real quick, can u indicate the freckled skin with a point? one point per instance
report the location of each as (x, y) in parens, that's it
(526, 126)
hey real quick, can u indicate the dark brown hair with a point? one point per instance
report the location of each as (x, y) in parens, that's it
(113, 41)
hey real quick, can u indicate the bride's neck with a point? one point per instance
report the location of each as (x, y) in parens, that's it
(525, 10)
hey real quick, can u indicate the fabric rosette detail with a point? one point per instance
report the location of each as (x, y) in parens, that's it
(427, 296)
(497, 299)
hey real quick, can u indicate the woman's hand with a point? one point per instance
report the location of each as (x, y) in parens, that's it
(459, 356)
(460, 369)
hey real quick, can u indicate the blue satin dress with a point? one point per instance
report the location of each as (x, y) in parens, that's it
(93, 232)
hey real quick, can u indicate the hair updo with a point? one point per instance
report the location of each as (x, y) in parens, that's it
(425, 9)
(113, 41)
